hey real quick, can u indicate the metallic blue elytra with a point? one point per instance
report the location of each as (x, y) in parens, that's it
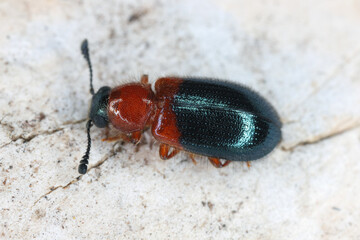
(225, 120)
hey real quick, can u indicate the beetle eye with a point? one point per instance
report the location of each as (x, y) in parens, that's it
(98, 110)
(99, 121)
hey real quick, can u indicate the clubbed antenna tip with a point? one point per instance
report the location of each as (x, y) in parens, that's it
(84, 161)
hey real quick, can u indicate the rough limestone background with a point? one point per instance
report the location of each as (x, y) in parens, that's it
(303, 56)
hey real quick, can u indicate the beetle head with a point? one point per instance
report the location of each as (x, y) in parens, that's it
(98, 111)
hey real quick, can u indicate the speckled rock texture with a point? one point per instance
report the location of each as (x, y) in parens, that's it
(303, 56)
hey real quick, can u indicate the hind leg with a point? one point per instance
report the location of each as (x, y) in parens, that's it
(192, 157)
(217, 163)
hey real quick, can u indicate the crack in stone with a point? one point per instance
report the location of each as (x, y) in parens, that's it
(29, 138)
(336, 71)
(8, 126)
(5, 144)
(52, 189)
(98, 164)
(320, 138)
(74, 122)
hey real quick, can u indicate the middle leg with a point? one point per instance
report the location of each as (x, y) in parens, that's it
(164, 151)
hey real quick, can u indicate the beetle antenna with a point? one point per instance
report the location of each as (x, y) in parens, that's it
(84, 161)
(85, 53)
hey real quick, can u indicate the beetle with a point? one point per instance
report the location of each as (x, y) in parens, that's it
(203, 116)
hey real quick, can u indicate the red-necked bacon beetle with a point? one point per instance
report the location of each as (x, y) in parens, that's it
(204, 116)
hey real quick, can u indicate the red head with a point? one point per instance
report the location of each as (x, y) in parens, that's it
(130, 107)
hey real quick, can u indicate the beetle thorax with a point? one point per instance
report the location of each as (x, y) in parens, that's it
(130, 107)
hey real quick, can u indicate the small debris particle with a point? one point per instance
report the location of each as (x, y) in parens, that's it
(210, 205)
(137, 15)
(41, 116)
(40, 213)
(336, 208)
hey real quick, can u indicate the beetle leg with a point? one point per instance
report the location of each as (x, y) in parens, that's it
(107, 132)
(164, 152)
(120, 136)
(135, 137)
(115, 138)
(144, 79)
(217, 163)
(192, 157)
(248, 164)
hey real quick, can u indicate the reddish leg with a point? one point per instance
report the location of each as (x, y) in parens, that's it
(107, 132)
(164, 151)
(192, 157)
(248, 164)
(134, 137)
(217, 163)
(115, 138)
(144, 79)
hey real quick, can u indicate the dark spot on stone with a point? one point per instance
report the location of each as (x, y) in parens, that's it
(40, 213)
(210, 205)
(112, 33)
(137, 15)
(41, 116)
(336, 208)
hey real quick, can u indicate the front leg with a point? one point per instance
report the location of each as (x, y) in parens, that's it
(133, 137)
(117, 137)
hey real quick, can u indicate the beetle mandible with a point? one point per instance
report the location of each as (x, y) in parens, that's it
(204, 116)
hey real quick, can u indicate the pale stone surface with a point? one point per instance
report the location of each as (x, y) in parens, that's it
(302, 56)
